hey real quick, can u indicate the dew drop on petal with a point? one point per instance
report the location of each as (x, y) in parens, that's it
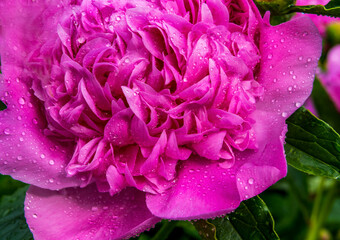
(284, 114)
(6, 131)
(21, 101)
(251, 181)
(297, 104)
(51, 162)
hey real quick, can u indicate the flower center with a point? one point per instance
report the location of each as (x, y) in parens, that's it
(142, 88)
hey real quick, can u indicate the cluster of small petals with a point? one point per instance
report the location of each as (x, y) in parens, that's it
(140, 86)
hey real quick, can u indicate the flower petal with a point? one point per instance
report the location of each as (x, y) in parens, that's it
(36, 158)
(203, 190)
(86, 214)
(287, 75)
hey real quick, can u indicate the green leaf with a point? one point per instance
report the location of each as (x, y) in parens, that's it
(8, 185)
(282, 7)
(12, 220)
(312, 146)
(276, 7)
(251, 220)
(2, 106)
(331, 9)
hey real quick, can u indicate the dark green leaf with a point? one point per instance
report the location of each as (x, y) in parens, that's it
(2, 106)
(282, 7)
(276, 7)
(312, 146)
(331, 9)
(251, 220)
(8, 185)
(12, 220)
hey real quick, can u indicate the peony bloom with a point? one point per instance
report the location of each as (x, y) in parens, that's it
(121, 113)
(331, 78)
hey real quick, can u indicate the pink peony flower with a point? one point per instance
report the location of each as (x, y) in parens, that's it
(124, 112)
(320, 21)
(331, 78)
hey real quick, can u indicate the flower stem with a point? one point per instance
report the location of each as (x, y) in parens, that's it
(321, 208)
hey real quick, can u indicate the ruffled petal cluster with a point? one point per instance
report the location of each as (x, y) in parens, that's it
(142, 110)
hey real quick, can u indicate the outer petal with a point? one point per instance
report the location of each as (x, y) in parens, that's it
(290, 53)
(86, 214)
(25, 152)
(287, 77)
(203, 190)
(221, 190)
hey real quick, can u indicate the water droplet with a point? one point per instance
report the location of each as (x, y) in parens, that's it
(94, 209)
(51, 162)
(300, 58)
(284, 114)
(51, 180)
(6, 131)
(251, 180)
(21, 101)
(35, 121)
(81, 40)
(294, 77)
(19, 118)
(270, 56)
(309, 59)
(19, 158)
(305, 34)
(275, 80)
(191, 170)
(35, 215)
(290, 88)
(282, 40)
(42, 156)
(118, 18)
(297, 104)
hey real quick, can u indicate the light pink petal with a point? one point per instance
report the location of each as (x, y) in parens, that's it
(203, 190)
(331, 78)
(86, 214)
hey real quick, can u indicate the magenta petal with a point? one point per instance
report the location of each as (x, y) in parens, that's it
(36, 159)
(203, 190)
(331, 79)
(86, 214)
(288, 64)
